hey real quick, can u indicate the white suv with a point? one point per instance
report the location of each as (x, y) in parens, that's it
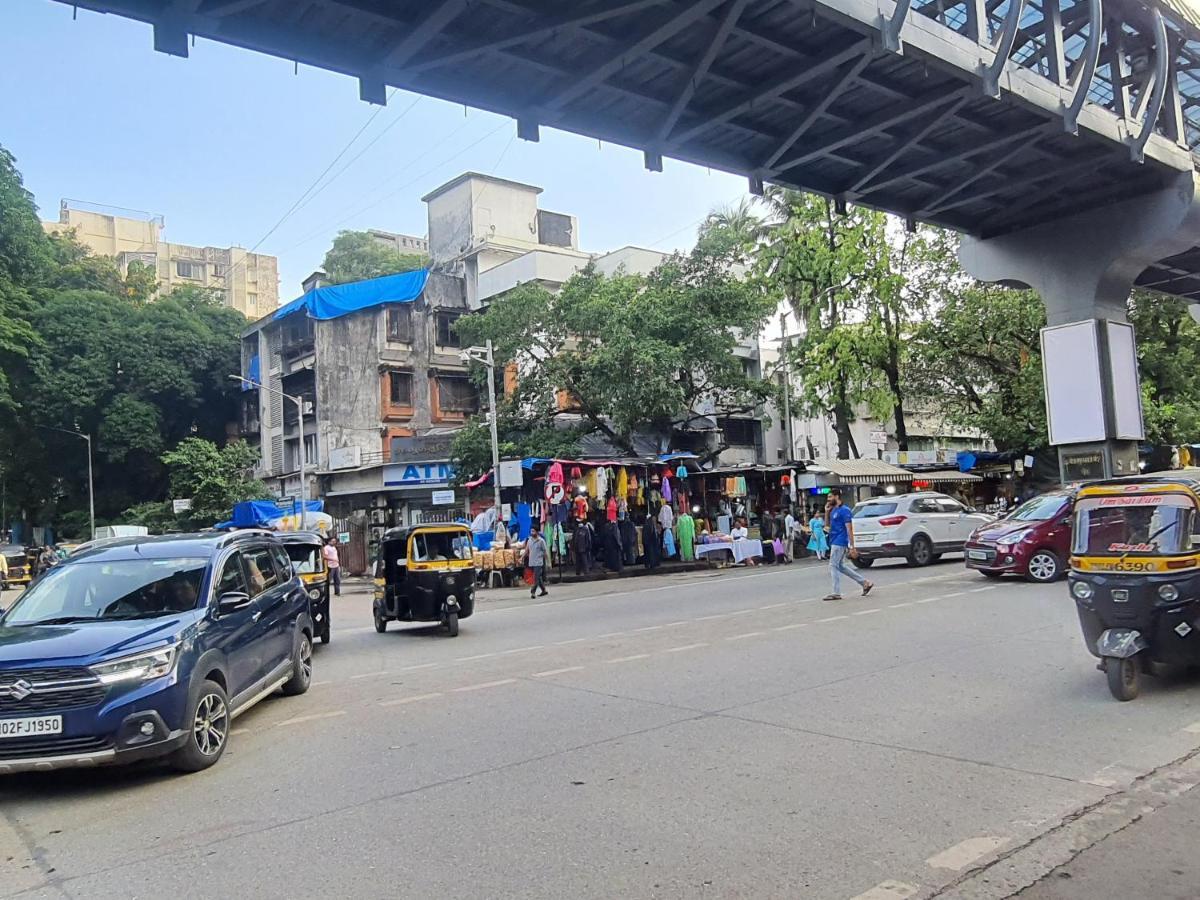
(919, 527)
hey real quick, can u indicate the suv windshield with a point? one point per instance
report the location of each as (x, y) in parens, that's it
(874, 510)
(120, 589)
(1039, 509)
(1136, 523)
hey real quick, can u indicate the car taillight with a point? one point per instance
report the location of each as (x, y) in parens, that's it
(889, 521)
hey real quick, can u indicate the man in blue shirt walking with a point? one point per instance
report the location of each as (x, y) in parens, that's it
(841, 545)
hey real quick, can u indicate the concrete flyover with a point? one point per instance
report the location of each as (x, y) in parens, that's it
(1039, 128)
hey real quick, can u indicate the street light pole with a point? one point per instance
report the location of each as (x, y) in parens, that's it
(299, 401)
(787, 391)
(91, 485)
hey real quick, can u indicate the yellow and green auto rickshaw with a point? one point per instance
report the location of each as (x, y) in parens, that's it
(21, 561)
(425, 573)
(1135, 574)
(304, 549)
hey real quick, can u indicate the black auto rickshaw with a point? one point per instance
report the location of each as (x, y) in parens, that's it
(304, 549)
(425, 573)
(1135, 574)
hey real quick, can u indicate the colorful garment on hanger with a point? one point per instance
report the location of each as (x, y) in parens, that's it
(601, 478)
(686, 527)
(554, 474)
(666, 489)
(622, 483)
(611, 511)
(590, 481)
(581, 508)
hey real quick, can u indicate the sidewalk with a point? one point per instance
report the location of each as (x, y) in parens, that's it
(1153, 857)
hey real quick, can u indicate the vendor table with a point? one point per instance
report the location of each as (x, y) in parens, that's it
(740, 550)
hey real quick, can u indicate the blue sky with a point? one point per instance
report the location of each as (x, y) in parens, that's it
(224, 142)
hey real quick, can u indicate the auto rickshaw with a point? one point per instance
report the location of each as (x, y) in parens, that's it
(21, 562)
(425, 573)
(304, 549)
(1135, 574)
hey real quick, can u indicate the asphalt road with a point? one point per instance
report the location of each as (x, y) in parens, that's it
(704, 735)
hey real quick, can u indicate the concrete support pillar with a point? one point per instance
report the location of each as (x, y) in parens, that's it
(1083, 267)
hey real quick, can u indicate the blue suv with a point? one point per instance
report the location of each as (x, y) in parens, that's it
(148, 647)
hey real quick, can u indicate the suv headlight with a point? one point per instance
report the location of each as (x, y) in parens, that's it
(139, 667)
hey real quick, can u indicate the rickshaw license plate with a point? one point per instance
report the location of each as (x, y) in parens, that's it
(30, 727)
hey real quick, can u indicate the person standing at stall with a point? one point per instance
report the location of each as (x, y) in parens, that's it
(334, 565)
(537, 557)
(841, 546)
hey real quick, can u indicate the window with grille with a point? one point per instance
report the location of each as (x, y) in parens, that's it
(446, 335)
(399, 323)
(742, 432)
(400, 388)
(457, 394)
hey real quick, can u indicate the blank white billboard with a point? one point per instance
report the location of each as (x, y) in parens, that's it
(1126, 392)
(1074, 383)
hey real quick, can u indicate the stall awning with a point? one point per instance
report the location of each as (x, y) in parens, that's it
(945, 476)
(858, 471)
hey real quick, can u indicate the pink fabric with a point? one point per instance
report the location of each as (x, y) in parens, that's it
(611, 511)
(555, 473)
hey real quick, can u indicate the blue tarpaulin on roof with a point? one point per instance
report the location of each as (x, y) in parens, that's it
(343, 299)
(260, 513)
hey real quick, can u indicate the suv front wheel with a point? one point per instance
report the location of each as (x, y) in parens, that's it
(207, 727)
(921, 552)
(301, 666)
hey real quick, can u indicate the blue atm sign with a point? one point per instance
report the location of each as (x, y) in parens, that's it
(414, 474)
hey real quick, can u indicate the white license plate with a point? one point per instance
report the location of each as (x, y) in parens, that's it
(977, 554)
(866, 538)
(31, 727)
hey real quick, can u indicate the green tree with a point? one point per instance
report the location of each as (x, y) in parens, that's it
(25, 259)
(837, 275)
(357, 255)
(1169, 359)
(630, 352)
(213, 478)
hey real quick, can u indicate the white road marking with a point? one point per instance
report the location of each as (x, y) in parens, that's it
(524, 649)
(900, 605)
(928, 600)
(866, 612)
(708, 618)
(686, 647)
(748, 634)
(419, 666)
(367, 675)
(1194, 728)
(486, 684)
(318, 684)
(832, 619)
(990, 587)
(473, 658)
(239, 731)
(676, 624)
(413, 699)
(790, 627)
(773, 606)
(957, 594)
(741, 612)
(312, 718)
(621, 659)
(610, 634)
(649, 628)
(561, 671)
(571, 641)
(965, 852)
(889, 890)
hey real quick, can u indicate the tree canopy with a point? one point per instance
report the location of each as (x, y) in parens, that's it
(625, 353)
(358, 255)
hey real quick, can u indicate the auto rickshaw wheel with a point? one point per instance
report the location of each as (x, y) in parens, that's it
(452, 624)
(380, 623)
(1123, 677)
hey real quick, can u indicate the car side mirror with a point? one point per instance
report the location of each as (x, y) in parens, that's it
(232, 601)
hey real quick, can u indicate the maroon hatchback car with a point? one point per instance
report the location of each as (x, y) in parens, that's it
(1034, 540)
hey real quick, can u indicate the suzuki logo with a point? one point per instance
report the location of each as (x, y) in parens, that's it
(20, 689)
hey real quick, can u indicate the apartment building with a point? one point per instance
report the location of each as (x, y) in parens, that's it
(383, 390)
(248, 282)
(402, 243)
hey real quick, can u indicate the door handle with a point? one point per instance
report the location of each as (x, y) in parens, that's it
(256, 616)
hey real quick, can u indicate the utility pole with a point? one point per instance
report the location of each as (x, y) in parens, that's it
(787, 390)
(299, 401)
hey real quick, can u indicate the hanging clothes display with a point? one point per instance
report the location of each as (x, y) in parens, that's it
(581, 508)
(668, 545)
(651, 543)
(622, 509)
(666, 489)
(611, 510)
(581, 547)
(601, 478)
(612, 548)
(555, 473)
(524, 517)
(686, 528)
(622, 483)
(681, 473)
(629, 541)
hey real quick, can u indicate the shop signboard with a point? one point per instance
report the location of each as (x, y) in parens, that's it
(417, 474)
(443, 498)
